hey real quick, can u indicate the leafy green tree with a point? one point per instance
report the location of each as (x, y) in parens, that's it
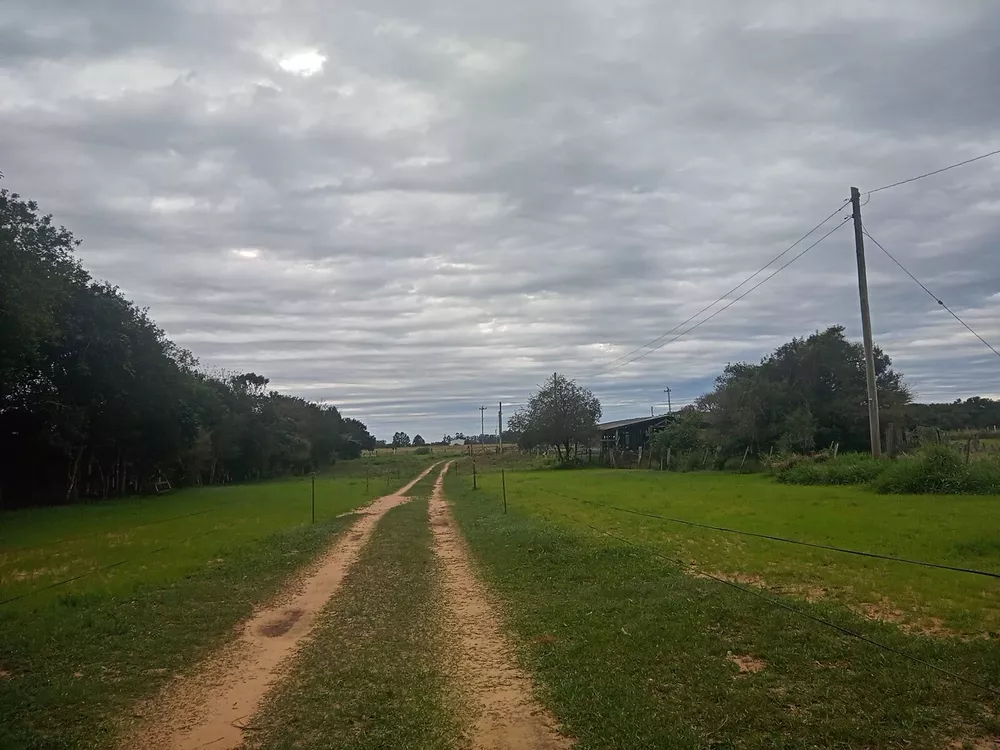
(821, 376)
(96, 401)
(562, 414)
(418, 440)
(400, 440)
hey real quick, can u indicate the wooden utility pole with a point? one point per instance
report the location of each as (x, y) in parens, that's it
(500, 427)
(482, 428)
(866, 327)
(669, 407)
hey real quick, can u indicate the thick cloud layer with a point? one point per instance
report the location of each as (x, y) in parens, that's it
(414, 207)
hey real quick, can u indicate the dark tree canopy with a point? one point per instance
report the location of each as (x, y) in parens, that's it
(418, 440)
(400, 440)
(96, 401)
(809, 393)
(562, 414)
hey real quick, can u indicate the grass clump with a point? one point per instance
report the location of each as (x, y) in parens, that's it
(847, 468)
(938, 469)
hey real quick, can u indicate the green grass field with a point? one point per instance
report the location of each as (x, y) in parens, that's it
(192, 564)
(631, 651)
(961, 531)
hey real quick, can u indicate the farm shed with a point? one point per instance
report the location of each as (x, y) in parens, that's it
(630, 434)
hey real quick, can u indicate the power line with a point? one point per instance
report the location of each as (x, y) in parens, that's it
(775, 538)
(930, 293)
(788, 607)
(742, 283)
(936, 171)
(729, 304)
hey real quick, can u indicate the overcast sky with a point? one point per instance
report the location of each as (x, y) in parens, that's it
(410, 208)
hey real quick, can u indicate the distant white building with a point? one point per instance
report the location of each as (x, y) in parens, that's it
(457, 441)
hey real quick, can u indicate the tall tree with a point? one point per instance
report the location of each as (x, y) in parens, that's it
(562, 414)
(96, 401)
(810, 391)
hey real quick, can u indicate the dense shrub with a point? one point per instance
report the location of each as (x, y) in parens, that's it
(847, 468)
(422, 450)
(939, 469)
(751, 466)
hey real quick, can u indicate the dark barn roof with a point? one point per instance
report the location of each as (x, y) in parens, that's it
(608, 426)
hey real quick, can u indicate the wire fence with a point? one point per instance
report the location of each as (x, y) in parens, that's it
(689, 567)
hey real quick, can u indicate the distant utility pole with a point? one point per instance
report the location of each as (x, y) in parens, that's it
(866, 326)
(500, 427)
(669, 406)
(482, 425)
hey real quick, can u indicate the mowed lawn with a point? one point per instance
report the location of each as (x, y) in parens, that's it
(630, 650)
(187, 566)
(959, 531)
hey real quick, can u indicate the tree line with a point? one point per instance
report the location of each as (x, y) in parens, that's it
(808, 394)
(97, 402)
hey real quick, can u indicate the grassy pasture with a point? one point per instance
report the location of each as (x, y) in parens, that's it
(961, 531)
(631, 652)
(196, 561)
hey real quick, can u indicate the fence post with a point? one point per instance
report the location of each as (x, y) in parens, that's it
(503, 481)
(474, 485)
(669, 450)
(745, 454)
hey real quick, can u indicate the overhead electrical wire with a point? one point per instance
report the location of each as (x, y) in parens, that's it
(930, 293)
(931, 174)
(611, 365)
(725, 307)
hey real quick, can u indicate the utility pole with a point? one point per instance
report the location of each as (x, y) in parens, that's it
(669, 406)
(866, 326)
(500, 427)
(482, 427)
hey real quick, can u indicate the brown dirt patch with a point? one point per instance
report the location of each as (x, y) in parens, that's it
(746, 663)
(503, 714)
(209, 707)
(885, 611)
(5, 675)
(281, 625)
(981, 743)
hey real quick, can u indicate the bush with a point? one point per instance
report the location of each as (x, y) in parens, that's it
(847, 468)
(939, 469)
(752, 465)
(423, 450)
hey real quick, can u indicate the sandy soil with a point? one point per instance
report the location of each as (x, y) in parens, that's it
(209, 707)
(504, 714)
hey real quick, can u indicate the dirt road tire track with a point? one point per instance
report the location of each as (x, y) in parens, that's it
(496, 691)
(209, 707)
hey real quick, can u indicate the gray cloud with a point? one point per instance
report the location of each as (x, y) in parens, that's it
(468, 196)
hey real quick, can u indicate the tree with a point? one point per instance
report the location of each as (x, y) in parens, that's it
(96, 401)
(562, 414)
(400, 440)
(685, 434)
(810, 391)
(417, 440)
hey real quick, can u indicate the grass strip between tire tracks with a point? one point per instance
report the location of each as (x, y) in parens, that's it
(372, 673)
